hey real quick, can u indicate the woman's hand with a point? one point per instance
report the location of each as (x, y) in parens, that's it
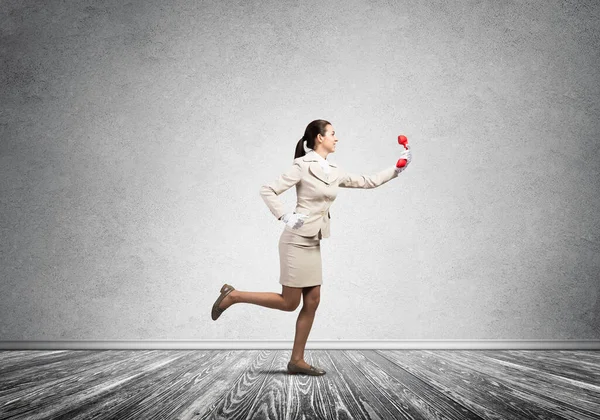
(294, 220)
(407, 154)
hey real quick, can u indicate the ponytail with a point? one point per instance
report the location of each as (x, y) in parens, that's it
(300, 149)
(310, 134)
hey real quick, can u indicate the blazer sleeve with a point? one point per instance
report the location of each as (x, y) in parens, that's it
(368, 181)
(269, 192)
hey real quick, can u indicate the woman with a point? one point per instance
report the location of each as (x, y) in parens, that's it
(317, 183)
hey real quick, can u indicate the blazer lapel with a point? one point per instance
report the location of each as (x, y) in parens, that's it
(316, 169)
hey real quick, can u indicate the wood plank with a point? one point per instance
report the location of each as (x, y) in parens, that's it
(346, 400)
(555, 392)
(573, 365)
(120, 386)
(406, 388)
(260, 358)
(272, 402)
(377, 403)
(591, 356)
(496, 384)
(487, 398)
(525, 385)
(71, 387)
(130, 396)
(36, 359)
(202, 387)
(241, 398)
(118, 400)
(301, 384)
(292, 396)
(115, 397)
(343, 398)
(183, 392)
(380, 380)
(23, 375)
(7, 356)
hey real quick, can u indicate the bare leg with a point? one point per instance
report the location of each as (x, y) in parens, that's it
(287, 300)
(304, 323)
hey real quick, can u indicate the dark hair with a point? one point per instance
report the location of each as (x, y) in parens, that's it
(313, 129)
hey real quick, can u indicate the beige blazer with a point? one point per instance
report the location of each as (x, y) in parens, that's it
(316, 191)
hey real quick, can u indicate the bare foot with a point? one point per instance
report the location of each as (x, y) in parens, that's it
(301, 363)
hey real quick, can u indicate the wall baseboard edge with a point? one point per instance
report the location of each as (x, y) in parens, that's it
(311, 344)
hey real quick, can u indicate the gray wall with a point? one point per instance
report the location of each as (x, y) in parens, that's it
(135, 137)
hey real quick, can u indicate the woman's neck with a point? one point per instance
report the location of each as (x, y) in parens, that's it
(321, 153)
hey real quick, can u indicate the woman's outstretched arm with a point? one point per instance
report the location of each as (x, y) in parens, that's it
(380, 178)
(368, 181)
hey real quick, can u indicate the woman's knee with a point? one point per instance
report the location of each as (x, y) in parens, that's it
(311, 304)
(312, 297)
(291, 305)
(291, 298)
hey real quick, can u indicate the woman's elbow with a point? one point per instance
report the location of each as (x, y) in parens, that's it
(266, 191)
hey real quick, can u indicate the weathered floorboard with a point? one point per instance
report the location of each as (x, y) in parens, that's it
(244, 393)
(484, 394)
(254, 384)
(568, 364)
(549, 391)
(429, 402)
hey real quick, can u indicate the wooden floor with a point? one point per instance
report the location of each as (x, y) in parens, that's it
(253, 384)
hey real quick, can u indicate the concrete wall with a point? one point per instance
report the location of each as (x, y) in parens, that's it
(135, 136)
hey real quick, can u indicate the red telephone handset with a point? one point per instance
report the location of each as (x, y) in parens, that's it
(402, 140)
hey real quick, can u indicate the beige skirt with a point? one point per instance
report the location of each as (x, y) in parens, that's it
(299, 260)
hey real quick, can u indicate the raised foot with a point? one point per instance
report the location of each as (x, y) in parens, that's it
(222, 302)
(228, 300)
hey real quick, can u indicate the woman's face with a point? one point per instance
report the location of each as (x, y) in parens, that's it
(329, 140)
